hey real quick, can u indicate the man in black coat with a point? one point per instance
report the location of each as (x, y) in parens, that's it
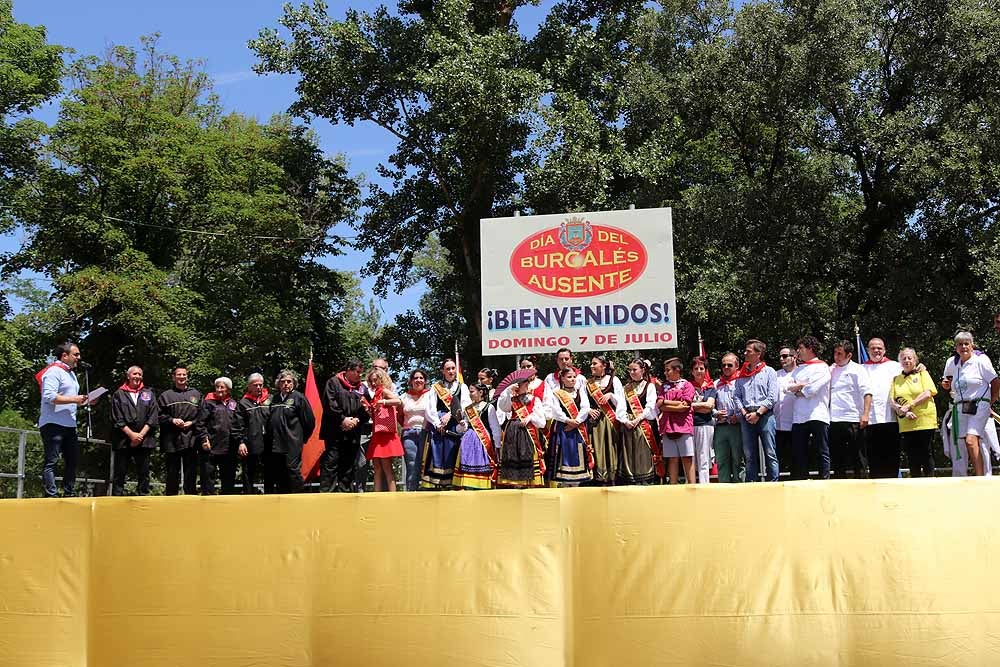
(292, 423)
(345, 422)
(133, 409)
(219, 432)
(255, 411)
(178, 411)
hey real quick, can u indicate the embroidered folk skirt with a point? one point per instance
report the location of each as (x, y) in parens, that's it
(473, 468)
(604, 438)
(519, 464)
(438, 464)
(566, 457)
(635, 466)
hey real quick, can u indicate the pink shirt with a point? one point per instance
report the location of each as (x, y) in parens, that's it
(677, 422)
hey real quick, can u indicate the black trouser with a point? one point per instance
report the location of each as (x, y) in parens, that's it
(252, 464)
(783, 450)
(818, 433)
(883, 450)
(363, 465)
(188, 460)
(60, 440)
(139, 455)
(339, 464)
(917, 445)
(285, 471)
(847, 450)
(226, 465)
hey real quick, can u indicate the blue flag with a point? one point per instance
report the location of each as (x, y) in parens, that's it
(862, 350)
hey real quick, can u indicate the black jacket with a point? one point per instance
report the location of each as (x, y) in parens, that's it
(220, 422)
(292, 422)
(173, 404)
(340, 401)
(256, 419)
(134, 415)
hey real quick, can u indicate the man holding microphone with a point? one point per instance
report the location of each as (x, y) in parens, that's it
(57, 423)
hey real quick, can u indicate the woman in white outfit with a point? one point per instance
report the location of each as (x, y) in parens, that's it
(974, 387)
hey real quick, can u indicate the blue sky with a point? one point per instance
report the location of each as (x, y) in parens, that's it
(217, 31)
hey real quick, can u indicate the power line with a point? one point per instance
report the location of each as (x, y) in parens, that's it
(204, 232)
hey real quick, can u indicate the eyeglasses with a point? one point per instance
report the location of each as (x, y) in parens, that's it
(786, 356)
(729, 365)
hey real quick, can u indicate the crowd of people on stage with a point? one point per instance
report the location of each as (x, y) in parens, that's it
(574, 427)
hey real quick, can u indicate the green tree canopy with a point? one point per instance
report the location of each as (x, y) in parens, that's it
(827, 161)
(174, 233)
(30, 70)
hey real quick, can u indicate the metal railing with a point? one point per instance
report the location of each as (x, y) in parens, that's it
(22, 454)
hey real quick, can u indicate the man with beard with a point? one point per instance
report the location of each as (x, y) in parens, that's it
(292, 424)
(255, 412)
(345, 423)
(178, 409)
(57, 423)
(133, 409)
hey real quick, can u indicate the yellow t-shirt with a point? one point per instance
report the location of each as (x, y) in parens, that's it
(904, 389)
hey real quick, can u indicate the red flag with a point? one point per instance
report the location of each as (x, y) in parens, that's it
(703, 355)
(313, 449)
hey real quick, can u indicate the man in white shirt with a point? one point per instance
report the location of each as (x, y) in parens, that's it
(564, 359)
(60, 397)
(811, 410)
(882, 434)
(783, 409)
(850, 404)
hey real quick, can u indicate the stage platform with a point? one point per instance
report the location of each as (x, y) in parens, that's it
(897, 572)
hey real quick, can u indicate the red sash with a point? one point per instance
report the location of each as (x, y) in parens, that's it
(647, 431)
(602, 401)
(443, 394)
(569, 405)
(476, 422)
(521, 410)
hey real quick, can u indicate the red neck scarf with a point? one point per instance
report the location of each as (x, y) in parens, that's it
(41, 373)
(258, 400)
(874, 363)
(706, 383)
(417, 394)
(344, 381)
(723, 380)
(817, 360)
(747, 372)
(127, 387)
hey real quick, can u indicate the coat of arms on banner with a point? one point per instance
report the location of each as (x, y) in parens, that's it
(575, 234)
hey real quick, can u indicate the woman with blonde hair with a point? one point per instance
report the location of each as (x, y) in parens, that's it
(912, 398)
(385, 445)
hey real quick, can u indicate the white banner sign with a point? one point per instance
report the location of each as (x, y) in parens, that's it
(586, 281)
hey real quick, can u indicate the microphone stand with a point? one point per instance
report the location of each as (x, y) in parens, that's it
(86, 383)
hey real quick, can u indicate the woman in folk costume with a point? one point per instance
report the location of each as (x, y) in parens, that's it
(385, 446)
(641, 461)
(520, 463)
(570, 457)
(488, 377)
(448, 401)
(476, 465)
(607, 409)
